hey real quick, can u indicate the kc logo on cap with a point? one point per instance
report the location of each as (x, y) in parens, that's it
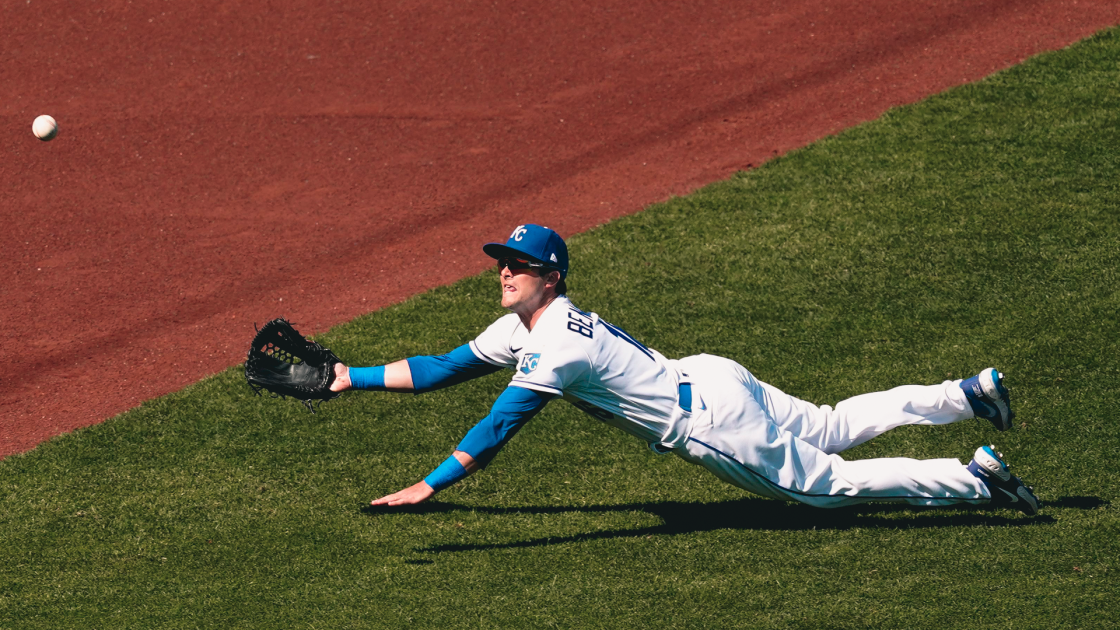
(533, 242)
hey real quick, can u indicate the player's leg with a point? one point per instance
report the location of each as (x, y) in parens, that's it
(824, 480)
(774, 463)
(735, 438)
(860, 418)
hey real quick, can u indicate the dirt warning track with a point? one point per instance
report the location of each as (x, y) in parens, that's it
(221, 163)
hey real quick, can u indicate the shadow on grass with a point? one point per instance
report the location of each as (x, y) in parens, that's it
(748, 513)
(1080, 503)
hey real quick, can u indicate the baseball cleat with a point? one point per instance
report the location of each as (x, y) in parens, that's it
(1006, 489)
(989, 399)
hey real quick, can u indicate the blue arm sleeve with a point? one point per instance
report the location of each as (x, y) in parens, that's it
(510, 412)
(447, 474)
(461, 364)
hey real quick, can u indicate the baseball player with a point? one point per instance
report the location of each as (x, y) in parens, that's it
(705, 409)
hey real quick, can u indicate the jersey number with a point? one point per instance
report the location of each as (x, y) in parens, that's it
(580, 323)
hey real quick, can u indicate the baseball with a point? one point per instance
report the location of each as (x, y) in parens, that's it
(44, 128)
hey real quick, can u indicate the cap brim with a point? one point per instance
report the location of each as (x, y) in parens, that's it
(500, 250)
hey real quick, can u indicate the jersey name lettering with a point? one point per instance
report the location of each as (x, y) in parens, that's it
(581, 323)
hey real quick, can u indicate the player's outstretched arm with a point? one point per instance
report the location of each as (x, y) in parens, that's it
(397, 377)
(421, 492)
(416, 374)
(514, 408)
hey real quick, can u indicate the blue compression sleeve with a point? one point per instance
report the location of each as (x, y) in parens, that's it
(450, 471)
(368, 378)
(428, 373)
(510, 412)
(461, 364)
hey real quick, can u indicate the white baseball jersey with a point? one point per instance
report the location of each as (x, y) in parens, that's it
(592, 364)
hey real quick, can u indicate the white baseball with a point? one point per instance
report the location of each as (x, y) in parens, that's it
(44, 128)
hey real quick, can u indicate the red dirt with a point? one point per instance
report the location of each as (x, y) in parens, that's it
(224, 163)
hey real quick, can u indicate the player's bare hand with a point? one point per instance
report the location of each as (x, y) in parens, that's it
(409, 496)
(341, 381)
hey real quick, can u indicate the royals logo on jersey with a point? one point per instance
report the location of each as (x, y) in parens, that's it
(529, 362)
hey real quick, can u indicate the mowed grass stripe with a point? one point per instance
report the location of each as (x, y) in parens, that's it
(976, 228)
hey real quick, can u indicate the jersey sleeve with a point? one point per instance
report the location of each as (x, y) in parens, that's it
(495, 344)
(510, 412)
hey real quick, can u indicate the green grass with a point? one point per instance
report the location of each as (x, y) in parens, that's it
(977, 228)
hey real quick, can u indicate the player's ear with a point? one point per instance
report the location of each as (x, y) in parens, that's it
(552, 279)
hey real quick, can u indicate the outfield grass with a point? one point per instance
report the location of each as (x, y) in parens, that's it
(977, 228)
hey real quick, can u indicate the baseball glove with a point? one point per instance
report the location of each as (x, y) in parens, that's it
(284, 363)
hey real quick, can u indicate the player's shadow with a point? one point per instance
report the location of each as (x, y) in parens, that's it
(748, 513)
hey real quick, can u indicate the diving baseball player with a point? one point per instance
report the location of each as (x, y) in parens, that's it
(705, 409)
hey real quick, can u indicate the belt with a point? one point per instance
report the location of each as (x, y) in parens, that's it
(684, 395)
(680, 425)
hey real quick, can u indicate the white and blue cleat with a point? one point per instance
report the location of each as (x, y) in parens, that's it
(989, 398)
(1006, 489)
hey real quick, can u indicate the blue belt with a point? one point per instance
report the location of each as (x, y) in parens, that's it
(679, 426)
(684, 396)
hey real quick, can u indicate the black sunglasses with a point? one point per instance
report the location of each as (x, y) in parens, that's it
(516, 264)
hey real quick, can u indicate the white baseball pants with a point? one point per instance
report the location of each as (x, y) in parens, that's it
(761, 439)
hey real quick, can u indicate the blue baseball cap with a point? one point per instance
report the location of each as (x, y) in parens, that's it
(533, 242)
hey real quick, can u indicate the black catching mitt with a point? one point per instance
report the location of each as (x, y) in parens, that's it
(284, 363)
